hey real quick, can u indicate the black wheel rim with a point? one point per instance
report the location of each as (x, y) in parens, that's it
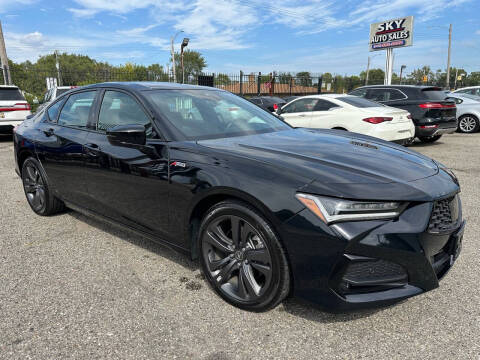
(34, 187)
(237, 258)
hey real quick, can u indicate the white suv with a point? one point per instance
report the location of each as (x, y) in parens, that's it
(13, 108)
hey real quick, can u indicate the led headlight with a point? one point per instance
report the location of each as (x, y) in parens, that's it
(331, 210)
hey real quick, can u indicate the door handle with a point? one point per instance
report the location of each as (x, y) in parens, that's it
(49, 132)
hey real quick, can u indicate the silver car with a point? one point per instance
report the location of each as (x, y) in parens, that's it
(468, 112)
(472, 90)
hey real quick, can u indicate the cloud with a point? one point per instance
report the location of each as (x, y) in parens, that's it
(6, 5)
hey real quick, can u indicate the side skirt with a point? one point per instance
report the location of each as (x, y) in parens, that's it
(122, 226)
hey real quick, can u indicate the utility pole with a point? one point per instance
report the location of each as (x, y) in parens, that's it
(4, 59)
(57, 65)
(401, 72)
(448, 57)
(368, 69)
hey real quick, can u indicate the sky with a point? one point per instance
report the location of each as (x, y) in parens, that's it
(249, 35)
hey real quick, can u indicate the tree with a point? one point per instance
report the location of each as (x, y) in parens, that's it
(375, 76)
(304, 78)
(193, 61)
(223, 79)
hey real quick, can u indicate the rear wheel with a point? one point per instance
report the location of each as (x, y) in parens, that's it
(430, 139)
(242, 257)
(37, 189)
(468, 124)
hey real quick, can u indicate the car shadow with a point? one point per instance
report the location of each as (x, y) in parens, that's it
(313, 312)
(419, 144)
(157, 248)
(291, 305)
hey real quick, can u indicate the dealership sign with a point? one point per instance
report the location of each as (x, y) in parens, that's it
(391, 34)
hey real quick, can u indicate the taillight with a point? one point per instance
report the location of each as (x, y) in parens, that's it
(436, 106)
(377, 120)
(428, 126)
(17, 107)
(275, 106)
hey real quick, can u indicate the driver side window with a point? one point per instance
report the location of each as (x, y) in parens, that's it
(119, 108)
(300, 105)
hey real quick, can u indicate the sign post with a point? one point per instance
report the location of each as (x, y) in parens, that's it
(390, 34)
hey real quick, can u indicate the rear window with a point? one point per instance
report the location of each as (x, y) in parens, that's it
(434, 94)
(359, 102)
(11, 94)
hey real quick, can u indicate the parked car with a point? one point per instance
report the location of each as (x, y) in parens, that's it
(351, 113)
(468, 112)
(432, 114)
(13, 108)
(472, 90)
(270, 103)
(52, 94)
(341, 219)
(290, 98)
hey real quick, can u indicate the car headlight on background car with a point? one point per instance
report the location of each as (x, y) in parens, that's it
(331, 210)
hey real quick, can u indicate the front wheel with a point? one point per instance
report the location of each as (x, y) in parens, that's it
(430, 139)
(468, 124)
(242, 258)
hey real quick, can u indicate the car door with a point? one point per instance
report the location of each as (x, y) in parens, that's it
(298, 113)
(127, 182)
(60, 145)
(325, 115)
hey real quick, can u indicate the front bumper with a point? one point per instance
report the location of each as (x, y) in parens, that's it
(320, 257)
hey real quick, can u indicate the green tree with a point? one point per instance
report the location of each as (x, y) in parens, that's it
(193, 61)
(223, 79)
(375, 76)
(303, 78)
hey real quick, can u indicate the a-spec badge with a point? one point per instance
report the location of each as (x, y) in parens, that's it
(178, 163)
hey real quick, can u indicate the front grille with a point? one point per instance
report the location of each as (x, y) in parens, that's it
(444, 215)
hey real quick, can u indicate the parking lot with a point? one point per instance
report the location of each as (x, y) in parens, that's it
(72, 287)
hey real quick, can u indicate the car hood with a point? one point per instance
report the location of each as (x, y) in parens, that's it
(331, 156)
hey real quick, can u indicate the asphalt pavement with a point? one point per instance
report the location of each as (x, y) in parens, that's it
(73, 287)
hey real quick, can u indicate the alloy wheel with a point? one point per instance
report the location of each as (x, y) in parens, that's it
(34, 187)
(237, 258)
(467, 124)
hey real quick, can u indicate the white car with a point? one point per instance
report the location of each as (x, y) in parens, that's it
(13, 108)
(351, 113)
(52, 94)
(472, 90)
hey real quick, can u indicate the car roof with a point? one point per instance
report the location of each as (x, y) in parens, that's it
(9, 86)
(399, 86)
(467, 87)
(320, 96)
(149, 85)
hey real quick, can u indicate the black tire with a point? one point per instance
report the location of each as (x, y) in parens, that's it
(37, 191)
(468, 124)
(251, 273)
(430, 139)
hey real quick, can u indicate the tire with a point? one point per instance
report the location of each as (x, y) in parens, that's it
(249, 271)
(37, 190)
(468, 124)
(430, 139)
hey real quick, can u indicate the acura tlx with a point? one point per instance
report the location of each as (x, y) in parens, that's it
(340, 219)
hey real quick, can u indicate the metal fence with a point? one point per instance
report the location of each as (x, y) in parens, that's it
(34, 81)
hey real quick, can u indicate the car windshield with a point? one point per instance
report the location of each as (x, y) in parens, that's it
(207, 114)
(11, 94)
(434, 94)
(359, 102)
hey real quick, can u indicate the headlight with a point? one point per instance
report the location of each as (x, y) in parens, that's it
(331, 210)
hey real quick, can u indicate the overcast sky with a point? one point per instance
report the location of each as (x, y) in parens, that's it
(249, 35)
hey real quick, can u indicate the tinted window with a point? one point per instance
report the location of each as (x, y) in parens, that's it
(77, 109)
(256, 101)
(11, 94)
(358, 102)
(205, 114)
(54, 109)
(300, 105)
(359, 92)
(324, 105)
(119, 108)
(384, 95)
(434, 94)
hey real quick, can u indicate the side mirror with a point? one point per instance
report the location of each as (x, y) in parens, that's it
(127, 134)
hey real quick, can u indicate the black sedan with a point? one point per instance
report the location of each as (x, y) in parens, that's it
(343, 220)
(270, 103)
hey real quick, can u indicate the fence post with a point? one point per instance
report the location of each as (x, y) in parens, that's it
(259, 79)
(241, 83)
(319, 85)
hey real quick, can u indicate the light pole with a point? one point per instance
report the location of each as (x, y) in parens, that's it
(173, 55)
(184, 44)
(401, 72)
(368, 68)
